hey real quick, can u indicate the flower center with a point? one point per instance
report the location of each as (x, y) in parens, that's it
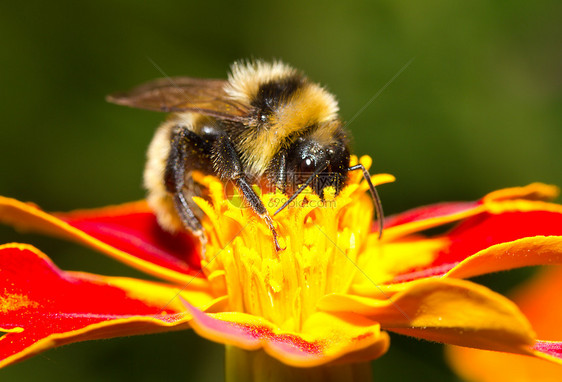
(323, 241)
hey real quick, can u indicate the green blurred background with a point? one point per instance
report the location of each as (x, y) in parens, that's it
(479, 108)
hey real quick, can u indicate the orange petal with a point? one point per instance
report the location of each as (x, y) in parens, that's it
(324, 338)
(491, 366)
(538, 250)
(539, 300)
(43, 307)
(444, 310)
(128, 233)
(533, 191)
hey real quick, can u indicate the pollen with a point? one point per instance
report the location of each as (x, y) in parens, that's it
(14, 302)
(323, 240)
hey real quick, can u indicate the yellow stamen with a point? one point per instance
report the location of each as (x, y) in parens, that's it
(323, 240)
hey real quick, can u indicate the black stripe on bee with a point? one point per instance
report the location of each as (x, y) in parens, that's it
(271, 94)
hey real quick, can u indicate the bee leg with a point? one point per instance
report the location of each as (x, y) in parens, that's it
(183, 142)
(189, 219)
(229, 168)
(278, 175)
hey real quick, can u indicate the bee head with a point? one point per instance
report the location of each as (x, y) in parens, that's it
(325, 162)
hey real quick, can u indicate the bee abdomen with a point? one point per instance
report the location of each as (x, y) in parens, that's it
(158, 197)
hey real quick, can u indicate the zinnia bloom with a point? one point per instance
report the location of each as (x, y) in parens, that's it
(330, 298)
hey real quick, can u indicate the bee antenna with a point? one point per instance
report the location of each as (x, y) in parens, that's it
(374, 194)
(301, 189)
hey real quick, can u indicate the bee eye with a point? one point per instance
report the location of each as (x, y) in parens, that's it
(307, 165)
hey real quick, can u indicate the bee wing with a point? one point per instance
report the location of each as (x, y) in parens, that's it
(178, 94)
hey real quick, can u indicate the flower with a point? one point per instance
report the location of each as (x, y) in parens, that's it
(329, 298)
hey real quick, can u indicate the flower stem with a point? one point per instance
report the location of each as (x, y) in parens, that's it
(257, 366)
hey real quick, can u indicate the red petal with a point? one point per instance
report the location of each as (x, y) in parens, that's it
(529, 251)
(127, 232)
(325, 338)
(439, 210)
(551, 349)
(42, 306)
(483, 231)
(442, 213)
(427, 217)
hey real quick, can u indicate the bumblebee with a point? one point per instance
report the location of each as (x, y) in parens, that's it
(267, 125)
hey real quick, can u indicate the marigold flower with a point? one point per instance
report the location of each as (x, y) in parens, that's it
(329, 298)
